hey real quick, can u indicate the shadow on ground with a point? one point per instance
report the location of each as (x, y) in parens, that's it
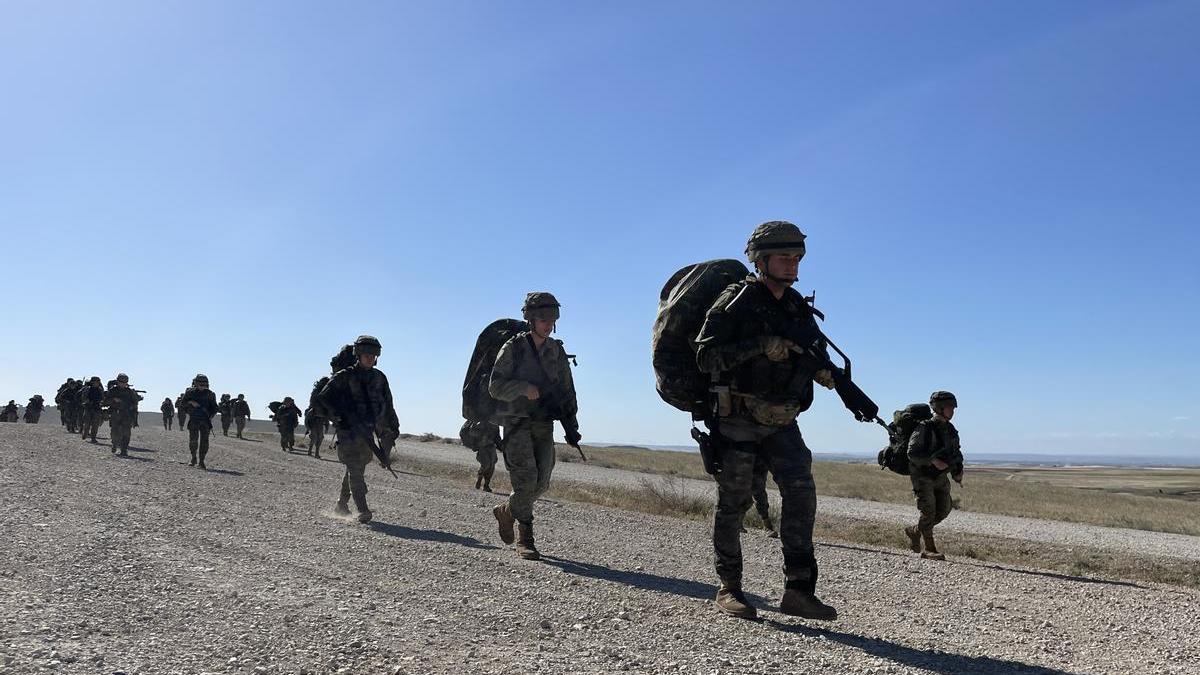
(404, 532)
(225, 472)
(133, 457)
(133, 449)
(992, 566)
(938, 662)
(643, 580)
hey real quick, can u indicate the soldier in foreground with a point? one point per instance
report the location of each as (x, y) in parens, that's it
(771, 383)
(225, 406)
(33, 411)
(168, 412)
(314, 423)
(287, 418)
(121, 402)
(358, 401)
(91, 398)
(933, 454)
(9, 413)
(201, 403)
(532, 384)
(181, 412)
(241, 413)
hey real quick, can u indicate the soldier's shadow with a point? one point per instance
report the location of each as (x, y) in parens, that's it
(938, 662)
(134, 458)
(643, 580)
(226, 472)
(403, 532)
(133, 449)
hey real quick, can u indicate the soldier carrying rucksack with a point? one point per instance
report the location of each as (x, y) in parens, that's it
(934, 452)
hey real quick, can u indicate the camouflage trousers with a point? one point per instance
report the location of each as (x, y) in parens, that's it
(316, 436)
(355, 453)
(198, 438)
(167, 420)
(68, 416)
(226, 420)
(32, 417)
(529, 458)
(181, 420)
(240, 422)
(487, 461)
(287, 437)
(933, 499)
(758, 490)
(790, 462)
(120, 433)
(89, 423)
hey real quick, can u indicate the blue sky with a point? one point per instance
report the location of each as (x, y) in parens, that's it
(1000, 198)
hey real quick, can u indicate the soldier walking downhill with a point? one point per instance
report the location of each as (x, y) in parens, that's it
(241, 413)
(201, 403)
(933, 453)
(771, 380)
(168, 412)
(287, 418)
(358, 401)
(91, 398)
(532, 384)
(121, 402)
(225, 406)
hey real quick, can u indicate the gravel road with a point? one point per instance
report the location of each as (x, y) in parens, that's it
(144, 565)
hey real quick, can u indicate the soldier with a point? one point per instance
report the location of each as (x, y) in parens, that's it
(91, 397)
(225, 406)
(532, 384)
(287, 418)
(33, 411)
(933, 452)
(241, 413)
(181, 412)
(9, 413)
(771, 384)
(202, 406)
(122, 412)
(358, 401)
(314, 423)
(168, 412)
(487, 458)
(65, 417)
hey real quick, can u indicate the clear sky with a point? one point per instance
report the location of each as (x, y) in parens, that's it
(1001, 199)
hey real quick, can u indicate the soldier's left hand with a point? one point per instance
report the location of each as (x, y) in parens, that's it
(824, 378)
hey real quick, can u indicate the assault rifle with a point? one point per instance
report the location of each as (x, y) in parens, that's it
(853, 397)
(380, 453)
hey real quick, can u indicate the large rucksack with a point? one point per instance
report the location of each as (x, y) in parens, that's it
(343, 359)
(683, 304)
(904, 421)
(478, 432)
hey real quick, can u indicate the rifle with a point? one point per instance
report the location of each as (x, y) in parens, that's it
(378, 451)
(573, 439)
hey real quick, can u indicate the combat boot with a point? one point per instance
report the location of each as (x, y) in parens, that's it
(193, 462)
(733, 602)
(342, 509)
(525, 546)
(364, 512)
(487, 483)
(505, 520)
(799, 595)
(914, 538)
(478, 480)
(931, 551)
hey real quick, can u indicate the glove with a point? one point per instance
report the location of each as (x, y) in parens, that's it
(776, 348)
(824, 378)
(573, 437)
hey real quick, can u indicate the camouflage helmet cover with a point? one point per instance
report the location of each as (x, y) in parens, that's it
(775, 237)
(200, 378)
(224, 397)
(940, 399)
(94, 379)
(288, 399)
(367, 344)
(122, 377)
(540, 305)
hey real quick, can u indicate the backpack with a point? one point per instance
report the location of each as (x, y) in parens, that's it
(477, 436)
(683, 304)
(895, 456)
(477, 404)
(274, 406)
(343, 359)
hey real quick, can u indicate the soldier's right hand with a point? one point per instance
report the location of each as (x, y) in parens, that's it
(776, 348)
(532, 393)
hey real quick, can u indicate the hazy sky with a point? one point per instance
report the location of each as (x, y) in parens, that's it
(1001, 198)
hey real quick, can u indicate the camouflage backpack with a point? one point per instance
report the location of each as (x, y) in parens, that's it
(344, 359)
(478, 432)
(683, 304)
(895, 456)
(274, 406)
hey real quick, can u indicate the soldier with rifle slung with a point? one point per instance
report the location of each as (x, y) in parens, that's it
(761, 343)
(225, 406)
(168, 412)
(358, 401)
(241, 413)
(121, 402)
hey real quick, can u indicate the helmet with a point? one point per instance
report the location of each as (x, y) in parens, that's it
(200, 378)
(367, 344)
(940, 399)
(224, 397)
(540, 305)
(288, 399)
(776, 237)
(95, 379)
(122, 377)
(241, 396)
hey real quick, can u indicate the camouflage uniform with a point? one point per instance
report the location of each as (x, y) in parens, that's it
(241, 412)
(122, 410)
(202, 404)
(181, 412)
(91, 396)
(358, 401)
(933, 439)
(9, 413)
(67, 400)
(168, 413)
(226, 409)
(756, 422)
(33, 411)
(287, 417)
(314, 423)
